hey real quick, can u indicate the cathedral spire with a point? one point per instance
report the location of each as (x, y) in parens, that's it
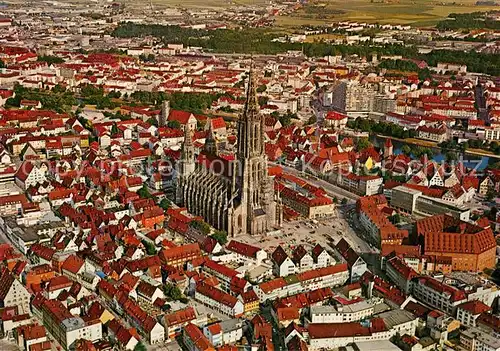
(252, 103)
(251, 123)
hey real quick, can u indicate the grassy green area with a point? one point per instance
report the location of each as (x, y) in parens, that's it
(415, 12)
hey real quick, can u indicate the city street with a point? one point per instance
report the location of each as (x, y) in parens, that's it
(332, 190)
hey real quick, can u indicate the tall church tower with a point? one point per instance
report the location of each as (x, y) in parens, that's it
(257, 211)
(251, 125)
(211, 146)
(388, 148)
(185, 166)
(165, 111)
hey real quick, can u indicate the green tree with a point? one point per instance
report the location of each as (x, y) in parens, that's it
(173, 292)
(261, 88)
(344, 201)
(150, 248)
(220, 236)
(152, 121)
(114, 129)
(490, 194)
(285, 120)
(140, 347)
(50, 59)
(144, 192)
(399, 65)
(406, 150)
(200, 225)
(2, 64)
(114, 95)
(147, 58)
(165, 204)
(363, 144)
(451, 156)
(395, 219)
(261, 41)
(312, 120)
(174, 124)
(200, 125)
(58, 89)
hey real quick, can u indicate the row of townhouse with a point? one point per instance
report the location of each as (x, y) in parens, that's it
(466, 305)
(381, 327)
(63, 325)
(330, 276)
(365, 185)
(375, 222)
(300, 261)
(218, 300)
(175, 321)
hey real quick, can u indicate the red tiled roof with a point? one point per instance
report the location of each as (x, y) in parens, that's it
(475, 307)
(243, 249)
(59, 282)
(221, 269)
(287, 313)
(215, 329)
(403, 250)
(249, 297)
(402, 268)
(180, 116)
(446, 234)
(32, 331)
(180, 317)
(218, 123)
(337, 330)
(455, 294)
(180, 252)
(279, 255)
(335, 116)
(216, 294)
(199, 340)
(73, 264)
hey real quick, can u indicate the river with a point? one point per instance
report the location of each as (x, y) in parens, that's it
(469, 161)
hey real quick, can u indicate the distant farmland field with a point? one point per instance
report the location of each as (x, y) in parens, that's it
(416, 12)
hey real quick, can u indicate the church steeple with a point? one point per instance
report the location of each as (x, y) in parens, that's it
(211, 141)
(187, 162)
(252, 103)
(251, 123)
(186, 165)
(188, 146)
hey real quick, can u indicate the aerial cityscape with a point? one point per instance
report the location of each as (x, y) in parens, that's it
(263, 175)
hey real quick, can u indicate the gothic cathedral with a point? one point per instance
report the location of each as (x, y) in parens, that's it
(235, 195)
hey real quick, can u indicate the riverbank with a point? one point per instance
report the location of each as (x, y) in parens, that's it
(431, 144)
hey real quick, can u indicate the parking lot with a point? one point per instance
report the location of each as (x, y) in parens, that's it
(8, 346)
(309, 233)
